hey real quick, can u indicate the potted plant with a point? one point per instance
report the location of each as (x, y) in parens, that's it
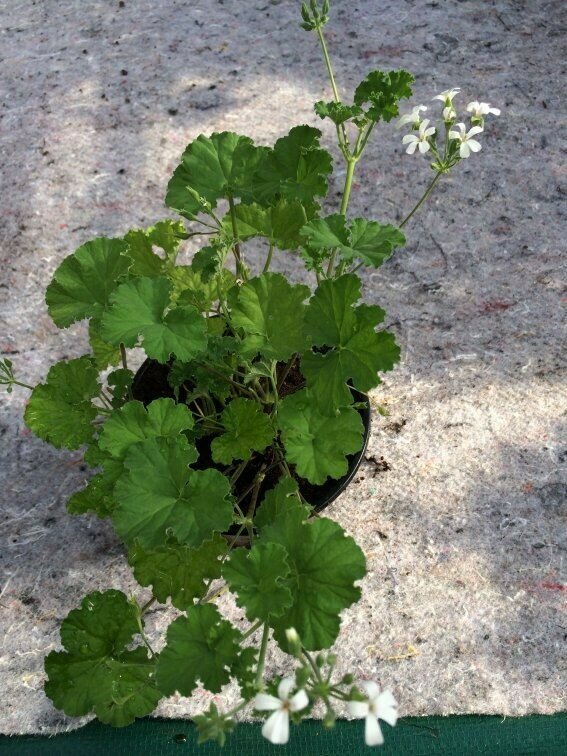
(249, 415)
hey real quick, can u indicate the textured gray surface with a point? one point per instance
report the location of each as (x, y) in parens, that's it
(463, 609)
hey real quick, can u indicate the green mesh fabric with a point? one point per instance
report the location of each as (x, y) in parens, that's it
(453, 736)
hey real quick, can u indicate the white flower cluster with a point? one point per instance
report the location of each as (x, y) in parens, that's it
(423, 139)
(378, 705)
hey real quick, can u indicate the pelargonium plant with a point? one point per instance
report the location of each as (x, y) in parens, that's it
(212, 460)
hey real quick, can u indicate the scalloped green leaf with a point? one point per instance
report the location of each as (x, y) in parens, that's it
(201, 647)
(357, 352)
(96, 673)
(247, 428)
(338, 112)
(82, 284)
(177, 571)
(214, 168)
(318, 444)
(134, 422)
(139, 309)
(167, 235)
(270, 310)
(257, 576)
(325, 563)
(369, 241)
(279, 501)
(60, 411)
(296, 169)
(279, 224)
(104, 354)
(382, 92)
(161, 496)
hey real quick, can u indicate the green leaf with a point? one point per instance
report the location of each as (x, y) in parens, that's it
(82, 284)
(96, 673)
(209, 260)
(382, 91)
(247, 428)
(200, 647)
(357, 352)
(244, 670)
(167, 235)
(257, 576)
(318, 444)
(97, 496)
(120, 383)
(139, 309)
(104, 354)
(325, 563)
(178, 571)
(161, 496)
(190, 288)
(213, 168)
(296, 168)
(338, 112)
(279, 501)
(370, 241)
(133, 423)
(280, 223)
(270, 310)
(60, 411)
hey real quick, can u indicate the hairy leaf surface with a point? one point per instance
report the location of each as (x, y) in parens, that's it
(318, 444)
(60, 410)
(162, 496)
(257, 576)
(96, 673)
(83, 282)
(271, 311)
(139, 308)
(382, 92)
(200, 647)
(247, 428)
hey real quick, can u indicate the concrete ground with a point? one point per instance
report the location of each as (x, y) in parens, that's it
(462, 513)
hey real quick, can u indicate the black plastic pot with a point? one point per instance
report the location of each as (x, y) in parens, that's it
(150, 383)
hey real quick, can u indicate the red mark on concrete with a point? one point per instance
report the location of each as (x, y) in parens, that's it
(495, 306)
(554, 586)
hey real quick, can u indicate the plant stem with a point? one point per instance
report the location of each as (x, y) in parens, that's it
(252, 630)
(238, 472)
(422, 200)
(147, 605)
(125, 366)
(285, 372)
(262, 656)
(351, 165)
(268, 259)
(236, 249)
(226, 378)
(342, 133)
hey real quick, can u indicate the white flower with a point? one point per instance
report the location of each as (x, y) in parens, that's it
(447, 95)
(379, 705)
(276, 727)
(468, 145)
(480, 109)
(421, 139)
(414, 118)
(449, 113)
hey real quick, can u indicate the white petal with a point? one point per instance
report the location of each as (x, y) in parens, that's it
(409, 138)
(474, 145)
(429, 132)
(475, 130)
(276, 727)
(371, 688)
(464, 151)
(299, 701)
(387, 708)
(423, 147)
(405, 119)
(454, 135)
(358, 709)
(439, 97)
(411, 149)
(494, 111)
(265, 702)
(285, 687)
(474, 105)
(372, 732)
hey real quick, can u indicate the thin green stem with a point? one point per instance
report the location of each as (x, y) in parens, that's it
(125, 366)
(236, 248)
(262, 656)
(147, 605)
(351, 165)
(239, 386)
(285, 372)
(422, 200)
(15, 382)
(268, 259)
(343, 138)
(251, 630)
